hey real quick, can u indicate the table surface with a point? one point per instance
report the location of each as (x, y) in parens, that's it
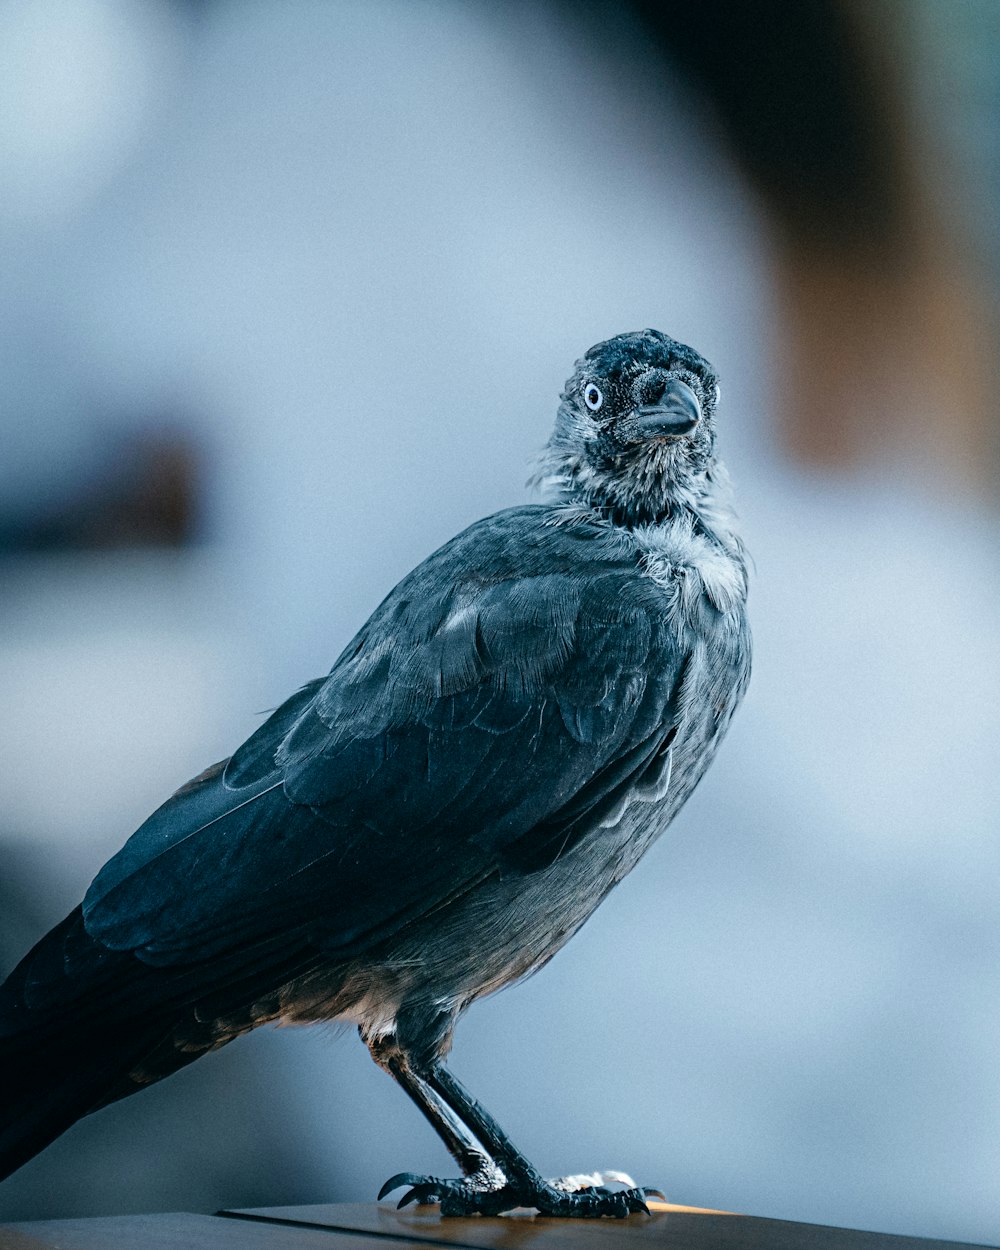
(369, 1226)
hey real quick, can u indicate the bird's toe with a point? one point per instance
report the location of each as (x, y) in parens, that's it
(473, 1195)
(594, 1201)
(400, 1179)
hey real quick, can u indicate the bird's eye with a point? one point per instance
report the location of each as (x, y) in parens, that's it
(593, 397)
(717, 393)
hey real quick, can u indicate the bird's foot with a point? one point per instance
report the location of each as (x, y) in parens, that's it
(490, 1192)
(486, 1192)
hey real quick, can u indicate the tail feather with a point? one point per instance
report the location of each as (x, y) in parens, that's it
(76, 1025)
(46, 1088)
(82, 1026)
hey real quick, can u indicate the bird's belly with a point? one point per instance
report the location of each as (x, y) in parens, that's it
(503, 929)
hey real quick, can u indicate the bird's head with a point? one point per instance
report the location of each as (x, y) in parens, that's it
(635, 431)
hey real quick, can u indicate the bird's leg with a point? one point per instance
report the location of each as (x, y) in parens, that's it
(467, 1151)
(460, 1102)
(497, 1177)
(551, 1197)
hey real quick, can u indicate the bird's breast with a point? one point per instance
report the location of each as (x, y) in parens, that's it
(693, 570)
(702, 582)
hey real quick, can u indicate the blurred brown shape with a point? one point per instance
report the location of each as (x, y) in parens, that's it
(147, 495)
(889, 361)
(889, 344)
(890, 334)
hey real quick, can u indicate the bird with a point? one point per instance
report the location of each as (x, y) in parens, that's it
(431, 821)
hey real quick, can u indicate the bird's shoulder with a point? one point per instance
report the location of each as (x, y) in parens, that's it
(530, 564)
(510, 602)
(530, 543)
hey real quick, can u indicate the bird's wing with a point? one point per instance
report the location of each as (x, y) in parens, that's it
(506, 691)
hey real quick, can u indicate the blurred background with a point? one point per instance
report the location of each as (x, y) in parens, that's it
(289, 292)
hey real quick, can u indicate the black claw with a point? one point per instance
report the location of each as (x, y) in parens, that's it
(395, 1182)
(417, 1194)
(637, 1199)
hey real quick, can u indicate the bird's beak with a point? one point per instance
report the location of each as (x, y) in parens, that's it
(677, 412)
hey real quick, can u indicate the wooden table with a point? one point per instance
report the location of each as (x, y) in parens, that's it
(367, 1226)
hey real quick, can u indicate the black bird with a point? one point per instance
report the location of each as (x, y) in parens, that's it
(492, 753)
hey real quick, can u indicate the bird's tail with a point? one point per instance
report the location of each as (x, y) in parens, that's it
(82, 1025)
(45, 1089)
(74, 1033)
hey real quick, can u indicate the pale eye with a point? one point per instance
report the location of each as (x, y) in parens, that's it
(717, 393)
(592, 397)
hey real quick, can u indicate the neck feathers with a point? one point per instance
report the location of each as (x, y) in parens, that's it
(660, 487)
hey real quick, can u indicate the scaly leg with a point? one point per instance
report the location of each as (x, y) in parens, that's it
(497, 1177)
(467, 1151)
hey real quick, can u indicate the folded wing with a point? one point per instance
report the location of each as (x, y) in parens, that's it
(501, 698)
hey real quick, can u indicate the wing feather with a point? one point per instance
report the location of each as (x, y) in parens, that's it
(501, 698)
